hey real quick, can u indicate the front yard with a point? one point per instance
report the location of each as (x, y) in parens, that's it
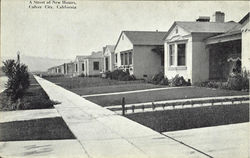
(97, 85)
(162, 95)
(180, 119)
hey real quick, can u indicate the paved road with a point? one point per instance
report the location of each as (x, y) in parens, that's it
(102, 133)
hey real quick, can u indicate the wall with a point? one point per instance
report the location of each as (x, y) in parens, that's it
(175, 37)
(122, 45)
(70, 68)
(90, 68)
(145, 61)
(111, 60)
(246, 47)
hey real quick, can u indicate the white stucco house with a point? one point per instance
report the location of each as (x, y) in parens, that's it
(196, 50)
(91, 65)
(109, 58)
(136, 52)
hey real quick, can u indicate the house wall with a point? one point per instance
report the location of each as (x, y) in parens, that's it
(90, 66)
(197, 56)
(246, 46)
(111, 60)
(122, 45)
(176, 37)
(70, 69)
(200, 58)
(146, 63)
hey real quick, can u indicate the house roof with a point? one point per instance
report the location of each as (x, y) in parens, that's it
(204, 27)
(111, 47)
(96, 54)
(244, 18)
(145, 37)
(81, 57)
(233, 31)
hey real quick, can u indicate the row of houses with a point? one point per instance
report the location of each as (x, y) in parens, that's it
(204, 49)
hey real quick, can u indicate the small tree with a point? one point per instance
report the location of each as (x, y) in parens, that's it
(18, 79)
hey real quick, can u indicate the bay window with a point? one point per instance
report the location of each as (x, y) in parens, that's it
(177, 54)
(171, 54)
(181, 55)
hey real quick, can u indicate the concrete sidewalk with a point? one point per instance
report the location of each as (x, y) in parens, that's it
(21, 115)
(68, 148)
(226, 141)
(102, 133)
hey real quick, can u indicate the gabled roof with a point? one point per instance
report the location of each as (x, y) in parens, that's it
(110, 47)
(204, 27)
(145, 37)
(244, 18)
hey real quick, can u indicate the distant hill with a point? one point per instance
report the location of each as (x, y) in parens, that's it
(38, 63)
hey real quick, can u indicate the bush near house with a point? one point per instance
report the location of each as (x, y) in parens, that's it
(120, 75)
(174, 82)
(238, 82)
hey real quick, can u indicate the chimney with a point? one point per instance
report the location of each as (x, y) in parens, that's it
(203, 19)
(219, 16)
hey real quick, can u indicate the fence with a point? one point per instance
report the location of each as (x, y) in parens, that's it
(181, 104)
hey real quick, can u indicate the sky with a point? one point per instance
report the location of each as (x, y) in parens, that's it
(65, 33)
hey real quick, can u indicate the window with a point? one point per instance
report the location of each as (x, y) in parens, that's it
(76, 67)
(171, 54)
(130, 58)
(176, 30)
(96, 65)
(181, 54)
(82, 66)
(126, 58)
(122, 59)
(115, 58)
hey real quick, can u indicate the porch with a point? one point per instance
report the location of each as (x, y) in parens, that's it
(224, 59)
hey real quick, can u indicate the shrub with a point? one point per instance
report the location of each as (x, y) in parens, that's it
(18, 79)
(179, 81)
(120, 75)
(164, 81)
(238, 82)
(156, 79)
(82, 75)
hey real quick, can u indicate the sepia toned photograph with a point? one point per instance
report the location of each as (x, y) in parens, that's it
(124, 79)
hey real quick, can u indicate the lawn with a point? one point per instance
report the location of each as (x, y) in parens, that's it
(34, 98)
(180, 119)
(161, 95)
(97, 85)
(39, 129)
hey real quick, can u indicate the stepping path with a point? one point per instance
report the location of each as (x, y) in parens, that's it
(102, 133)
